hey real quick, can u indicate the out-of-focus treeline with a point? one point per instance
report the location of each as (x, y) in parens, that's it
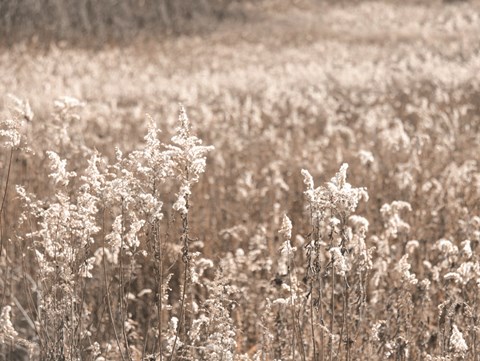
(94, 23)
(99, 22)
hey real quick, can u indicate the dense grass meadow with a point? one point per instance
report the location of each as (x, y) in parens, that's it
(239, 180)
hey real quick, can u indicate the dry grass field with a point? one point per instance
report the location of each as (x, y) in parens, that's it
(299, 180)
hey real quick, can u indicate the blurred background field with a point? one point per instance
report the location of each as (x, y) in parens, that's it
(391, 88)
(88, 22)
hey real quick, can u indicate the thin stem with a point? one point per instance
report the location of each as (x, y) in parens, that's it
(182, 310)
(145, 341)
(296, 322)
(123, 307)
(332, 306)
(109, 304)
(159, 272)
(293, 306)
(313, 266)
(347, 298)
(322, 322)
(4, 198)
(82, 303)
(186, 261)
(474, 319)
(157, 246)
(312, 324)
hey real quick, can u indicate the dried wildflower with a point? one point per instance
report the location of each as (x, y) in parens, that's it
(13, 129)
(287, 253)
(172, 342)
(21, 108)
(58, 166)
(189, 160)
(403, 267)
(366, 157)
(199, 266)
(286, 250)
(180, 204)
(446, 247)
(286, 228)
(334, 222)
(67, 103)
(217, 340)
(343, 196)
(464, 273)
(457, 342)
(378, 331)
(114, 238)
(467, 248)
(188, 151)
(412, 245)
(307, 179)
(340, 263)
(453, 276)
(86, 267)
(359, 222)
(131, 238)
(7, 332)
(393, 222)
(338, 196)
(10, 133)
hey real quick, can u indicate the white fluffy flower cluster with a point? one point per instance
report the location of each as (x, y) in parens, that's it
(11, 129)
(332, 207)
(340, 264)
(286, 250)
(464, 273)
(59, 172)
(457, 342)
(7, 332)
(403, 268)
(394, 224)
(286, 228)
(180, 204)
(338, 196)
(189, 160)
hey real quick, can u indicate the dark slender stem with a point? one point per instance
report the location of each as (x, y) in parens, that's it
(123, 300)
(109, 304)
(312, 325)
(158, 244)
(186, 261)
(4, 198)
(332, 306)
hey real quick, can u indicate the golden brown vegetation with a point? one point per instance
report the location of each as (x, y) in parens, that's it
(239, 232)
